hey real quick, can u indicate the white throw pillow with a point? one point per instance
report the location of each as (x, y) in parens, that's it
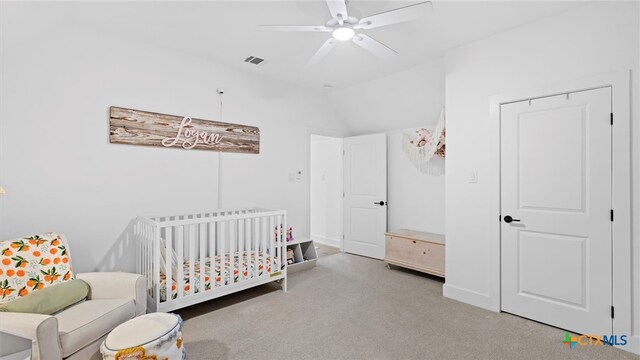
(163, 260)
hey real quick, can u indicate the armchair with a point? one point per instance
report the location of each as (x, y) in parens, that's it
(77, 331)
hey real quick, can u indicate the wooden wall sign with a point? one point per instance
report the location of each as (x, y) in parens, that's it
(137, 127)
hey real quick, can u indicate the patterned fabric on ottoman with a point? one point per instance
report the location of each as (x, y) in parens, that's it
(150, 336)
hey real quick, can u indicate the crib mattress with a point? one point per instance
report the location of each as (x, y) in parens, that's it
(221, 277)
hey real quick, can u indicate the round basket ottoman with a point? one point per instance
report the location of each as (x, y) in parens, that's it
(150, 336)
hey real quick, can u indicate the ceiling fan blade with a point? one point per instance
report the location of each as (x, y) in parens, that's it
(403, 14)
(338, 10)
(311, 28)
(323, 51)
(373, 46)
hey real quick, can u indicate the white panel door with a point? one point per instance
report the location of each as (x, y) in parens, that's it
(556, 210)
(365, 190)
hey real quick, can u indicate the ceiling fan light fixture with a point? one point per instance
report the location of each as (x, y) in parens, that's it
(343, 33)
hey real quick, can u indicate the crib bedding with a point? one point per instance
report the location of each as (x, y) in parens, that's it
(247, 272)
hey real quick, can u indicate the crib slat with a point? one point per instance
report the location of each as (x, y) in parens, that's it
(180, 251)
(271, 244)
(168, 251)
(282, 241)
(156, 260)
(150, 256)
(145, 252)
(202, 236)
(248, 240)
(241, 235)
(263, 239)
(256, 263)
(222, 240)
(145, 255)
(136, 238)
(232, 249)
(191, 233)
(212, 254)
(142, 246)
(149, 240)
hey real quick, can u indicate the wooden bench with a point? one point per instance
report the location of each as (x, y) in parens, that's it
(416, 250)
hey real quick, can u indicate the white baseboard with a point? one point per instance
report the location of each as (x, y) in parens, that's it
(634, 343)
(469, 297)
(632, 346)
(326, 240)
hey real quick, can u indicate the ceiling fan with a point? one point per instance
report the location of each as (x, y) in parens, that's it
(344, 27)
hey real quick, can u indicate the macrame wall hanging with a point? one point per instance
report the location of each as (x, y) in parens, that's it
(425, 148)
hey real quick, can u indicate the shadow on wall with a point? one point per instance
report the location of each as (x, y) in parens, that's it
(122, 254)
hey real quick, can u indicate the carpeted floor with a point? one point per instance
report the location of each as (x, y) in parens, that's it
(326, 250)
(351, 307)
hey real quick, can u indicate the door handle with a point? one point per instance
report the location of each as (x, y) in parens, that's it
(509, 219)
(381, 203)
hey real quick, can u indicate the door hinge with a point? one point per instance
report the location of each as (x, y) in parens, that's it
(500, 218)
(343, 194)
(611, 118)
(612, 312)
(611, 214)
(343, 153)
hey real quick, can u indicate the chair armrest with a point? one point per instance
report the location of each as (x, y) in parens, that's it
(42, 330)
(117, 285)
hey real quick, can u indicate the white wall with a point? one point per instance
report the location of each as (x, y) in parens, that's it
(61, 174)
(588, 41)
(326, 189)
(285, 117)
(416, 199)
(408, 99)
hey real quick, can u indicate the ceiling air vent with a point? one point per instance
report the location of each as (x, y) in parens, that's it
(254, 60)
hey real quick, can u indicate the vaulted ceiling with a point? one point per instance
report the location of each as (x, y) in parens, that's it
(226, 32)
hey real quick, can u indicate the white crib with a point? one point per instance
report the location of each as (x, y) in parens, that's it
(192, 258)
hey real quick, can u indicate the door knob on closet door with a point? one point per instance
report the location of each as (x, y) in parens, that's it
(381, 203)
(509, 219)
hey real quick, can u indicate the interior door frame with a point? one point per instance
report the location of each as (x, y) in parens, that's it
(621, 186)
(328, 133)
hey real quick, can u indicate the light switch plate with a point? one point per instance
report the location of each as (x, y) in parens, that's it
(473, 176)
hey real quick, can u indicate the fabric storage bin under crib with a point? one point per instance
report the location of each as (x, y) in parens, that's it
(248, 271)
